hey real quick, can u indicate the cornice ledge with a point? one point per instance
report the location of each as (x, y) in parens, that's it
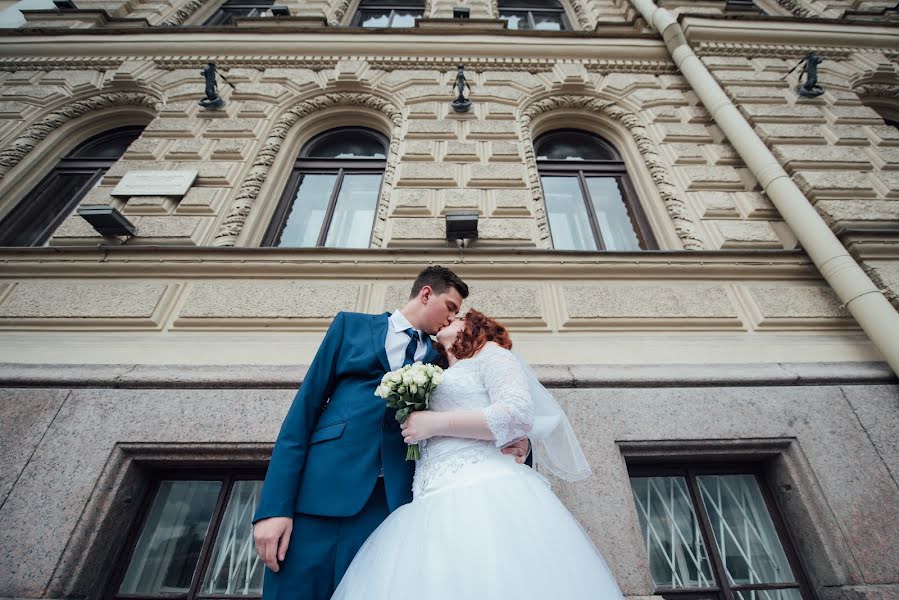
(781, 37)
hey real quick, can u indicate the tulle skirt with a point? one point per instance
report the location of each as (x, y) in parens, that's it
(485, 530)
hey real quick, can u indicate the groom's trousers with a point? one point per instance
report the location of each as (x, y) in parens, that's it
(321, 549)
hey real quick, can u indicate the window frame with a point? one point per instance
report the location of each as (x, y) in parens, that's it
(723, 590)
(608, 168)
(75, 162)
(228, 476)
(306, 165)
(393, 7)
(219, 17)
(530, 10)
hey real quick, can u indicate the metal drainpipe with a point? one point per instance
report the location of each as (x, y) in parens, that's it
(862, 298)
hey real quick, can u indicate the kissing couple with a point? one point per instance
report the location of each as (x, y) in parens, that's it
(343, 515)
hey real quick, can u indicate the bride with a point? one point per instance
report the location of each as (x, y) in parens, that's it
(481, 526)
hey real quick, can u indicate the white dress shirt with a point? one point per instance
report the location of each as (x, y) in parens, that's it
(396, 341)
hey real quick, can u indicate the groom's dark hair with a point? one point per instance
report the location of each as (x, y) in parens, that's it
(440, 279)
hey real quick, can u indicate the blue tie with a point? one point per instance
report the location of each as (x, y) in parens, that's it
(411, 347)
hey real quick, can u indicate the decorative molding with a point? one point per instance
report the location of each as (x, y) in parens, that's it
(25, 143)
(183, 13)
(795, 8)
(252, 183)
(340, 10)
(770, 50)
(674, 205)
(888, 90)
(580, 11)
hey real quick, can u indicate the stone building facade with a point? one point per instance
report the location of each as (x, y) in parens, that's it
(713, 375)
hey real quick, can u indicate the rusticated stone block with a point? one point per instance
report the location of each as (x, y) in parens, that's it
(685, 154)
(148, 205)
(188, 148)
(715, 204)
(493, 129)
(821, 157)
(460, 198)
(418, 150)
(411, 201)
(785, 305)
(887, 157)
(201, 201)
(401, 77)
(299, 78)
(423, 110)
(766, 78)
(855, 211)
(786, 113)
(144, 149)
(271, 301)
(42, 93)
(12, 109)
(513, 301)
(783, 133)
(654, 97)
(663, 114)
(706, 178)
(166, 127)
(495, 92)
(496, 175)
(461, 151)
(169, 229)
(428, 173)
(728, 62)
(74, 228)
(884, 135)
(418, 93)
(511, 202)
(846, 135)
(499, 229)
(408, 229)
(886, 275)
(432, 129)
(755, 205)
(243, 128)
(520, 78)
(860, 115)
(684, 132)
(593, 305)
(263, 92)
(743, 234)
(212, 172)
(623, 83)
(887, 183)
(819, 184)
(83, 300)
(500, 150)
(723, 154)
(500, 111)
(764, 95)
(230, 149)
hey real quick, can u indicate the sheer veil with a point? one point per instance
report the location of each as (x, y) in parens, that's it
(555, 447)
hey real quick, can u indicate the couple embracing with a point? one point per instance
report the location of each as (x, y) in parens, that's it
(343, 515)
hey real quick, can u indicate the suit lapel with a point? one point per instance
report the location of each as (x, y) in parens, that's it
(378, 337)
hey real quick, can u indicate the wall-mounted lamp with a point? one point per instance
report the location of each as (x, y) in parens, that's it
(461, 12)
(461, 226)
(279, 10)
(107, 221)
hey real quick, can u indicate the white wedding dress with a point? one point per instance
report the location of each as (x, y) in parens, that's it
(480, 526)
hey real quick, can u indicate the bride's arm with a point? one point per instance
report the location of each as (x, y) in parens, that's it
(509, 417)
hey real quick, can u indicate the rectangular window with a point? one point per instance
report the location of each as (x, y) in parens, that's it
(238, 8)
(714, 533)
(195, 540)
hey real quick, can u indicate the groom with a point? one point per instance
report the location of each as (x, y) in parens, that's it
(338, 467)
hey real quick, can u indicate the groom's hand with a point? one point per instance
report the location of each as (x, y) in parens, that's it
(272, 536)
(519, 450)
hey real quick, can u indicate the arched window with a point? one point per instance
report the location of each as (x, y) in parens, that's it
(590, 202)
(542, 15)
(33, 221)
(332, 193)
(388, 13)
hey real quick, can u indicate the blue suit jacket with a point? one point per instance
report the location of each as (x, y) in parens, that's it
(328, 455)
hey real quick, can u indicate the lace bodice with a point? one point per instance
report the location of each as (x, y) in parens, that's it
(491, 381)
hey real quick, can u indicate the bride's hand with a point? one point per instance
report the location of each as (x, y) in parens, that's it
(421, 425)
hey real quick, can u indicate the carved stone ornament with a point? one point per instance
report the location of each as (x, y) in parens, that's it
(183, 13)
(795, 8)
(674, 204)
(883, 90)
(252, 183)
(25, 143)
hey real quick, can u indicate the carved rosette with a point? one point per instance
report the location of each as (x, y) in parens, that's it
(674, 205)
(252, 183)
(25, 143)
(183, 13)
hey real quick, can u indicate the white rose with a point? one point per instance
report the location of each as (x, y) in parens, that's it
(396, 377)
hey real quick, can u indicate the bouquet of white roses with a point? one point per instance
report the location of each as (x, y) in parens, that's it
(408, 389)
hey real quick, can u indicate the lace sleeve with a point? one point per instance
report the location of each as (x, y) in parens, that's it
(510, 415)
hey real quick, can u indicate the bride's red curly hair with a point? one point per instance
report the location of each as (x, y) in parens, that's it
(479, 329)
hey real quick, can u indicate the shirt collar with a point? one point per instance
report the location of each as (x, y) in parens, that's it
(399, 321)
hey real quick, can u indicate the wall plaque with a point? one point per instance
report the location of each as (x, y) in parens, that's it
(155, 183)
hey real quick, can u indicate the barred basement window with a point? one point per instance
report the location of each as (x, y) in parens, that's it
(714, 533)
(194, 540)
(540, 15)
(34, 219)
(590, 202)
(388, 13)
(332, 194)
